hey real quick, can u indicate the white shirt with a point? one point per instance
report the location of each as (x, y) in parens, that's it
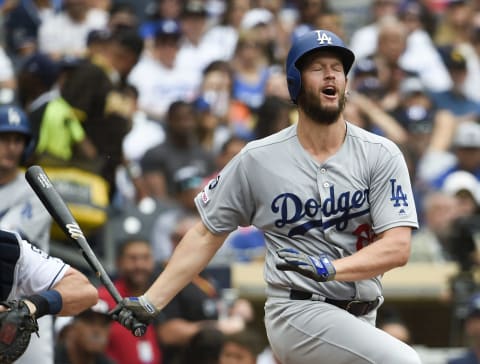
(59, 34)
(159, 86)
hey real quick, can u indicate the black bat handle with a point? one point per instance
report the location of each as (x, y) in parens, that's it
(138, 328)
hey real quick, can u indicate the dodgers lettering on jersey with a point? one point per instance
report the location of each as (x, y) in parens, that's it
(292, 209)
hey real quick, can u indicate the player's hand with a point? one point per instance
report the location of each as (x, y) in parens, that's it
(318, 268)
(135, 313)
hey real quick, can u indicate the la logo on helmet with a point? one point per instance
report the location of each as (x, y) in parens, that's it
(323, 37)
(13, 117)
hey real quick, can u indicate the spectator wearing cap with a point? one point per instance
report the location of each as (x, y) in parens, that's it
(416, 113)
(157, 77)
(22, 24)
(466, 189)
(226, 32)
(134, 267)
(59, 135)
(455, 99)
(455, 147)
(75, 21)
(452, 27)
(196, 51)
(98, 91)
(419, 54)
(180, 148)
(84, 338)
(471, 329)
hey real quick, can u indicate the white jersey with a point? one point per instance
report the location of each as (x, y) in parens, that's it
(35, 271)
(336, 207)
(22, 211)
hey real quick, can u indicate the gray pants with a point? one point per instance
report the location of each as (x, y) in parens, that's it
(315, 332)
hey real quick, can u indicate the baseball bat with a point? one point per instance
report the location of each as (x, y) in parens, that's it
(56, 206)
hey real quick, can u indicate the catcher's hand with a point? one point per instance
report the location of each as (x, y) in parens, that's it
(318, 268)
(134, 313)
(16, 327)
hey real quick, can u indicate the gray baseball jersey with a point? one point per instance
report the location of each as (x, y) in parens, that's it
(336, 207)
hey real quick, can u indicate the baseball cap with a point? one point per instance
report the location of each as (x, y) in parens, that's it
(256, 17)
(467, 135)
(453, 58)
(195, 8)
(186, 178)
(473, 308)
(411, 85)
(459, 181)
(43, 67)
(417, 119)
(365, 66)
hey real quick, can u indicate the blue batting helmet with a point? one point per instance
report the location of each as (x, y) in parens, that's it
(14, 120)
(310, 41)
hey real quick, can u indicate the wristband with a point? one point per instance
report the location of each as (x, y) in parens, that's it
(47, 303)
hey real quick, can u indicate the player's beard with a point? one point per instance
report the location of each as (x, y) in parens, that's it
(311, 104)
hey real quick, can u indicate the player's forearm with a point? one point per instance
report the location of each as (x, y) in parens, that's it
(77, 293)
(189, 258)
(386, 253)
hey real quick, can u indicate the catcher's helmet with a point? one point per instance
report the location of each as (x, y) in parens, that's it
(14, 120)
(313, 40)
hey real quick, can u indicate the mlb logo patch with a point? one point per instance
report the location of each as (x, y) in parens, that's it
(204, 197)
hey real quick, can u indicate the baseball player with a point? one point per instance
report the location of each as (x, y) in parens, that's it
(335, 204)
(22, 211)
(33, 285)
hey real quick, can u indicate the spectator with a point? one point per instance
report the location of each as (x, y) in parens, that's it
(135, 267)
(242, 347)
(197, 307)
(188, 183)
(84, 339)
(204, 347)
(471, 330)
(454, 99)
(251, 70)
(22, 24)
(451, 28)
(158, 80)
(60, 136)
(465, 148)
(216, 89)
(430, 242)
(180, 149)
(75, 21)
(97, 91)
(273, 115)
(364, 40)
(466, 189)
(228, 29)
(195, 45)
(392, 323)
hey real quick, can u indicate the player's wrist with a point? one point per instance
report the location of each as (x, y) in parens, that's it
(45, 303)
(325, 268)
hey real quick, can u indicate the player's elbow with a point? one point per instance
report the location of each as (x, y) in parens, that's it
(402, 252)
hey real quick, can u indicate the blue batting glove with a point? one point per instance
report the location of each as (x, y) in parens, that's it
(319, 268)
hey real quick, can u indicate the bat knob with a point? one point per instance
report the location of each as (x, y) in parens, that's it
(139, 329)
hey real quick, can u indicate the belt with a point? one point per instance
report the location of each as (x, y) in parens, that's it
(355, 307)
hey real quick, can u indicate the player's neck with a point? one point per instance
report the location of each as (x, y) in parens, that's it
(321, 141)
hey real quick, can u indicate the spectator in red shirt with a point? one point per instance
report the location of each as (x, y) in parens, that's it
(135, 267)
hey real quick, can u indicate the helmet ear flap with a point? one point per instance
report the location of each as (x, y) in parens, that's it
(294, 82)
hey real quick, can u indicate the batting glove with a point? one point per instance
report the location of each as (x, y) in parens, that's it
(318, 268)
(134, 313)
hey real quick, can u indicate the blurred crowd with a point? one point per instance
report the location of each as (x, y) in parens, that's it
(133, 106)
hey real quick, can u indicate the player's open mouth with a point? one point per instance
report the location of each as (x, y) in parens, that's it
(329, 91)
